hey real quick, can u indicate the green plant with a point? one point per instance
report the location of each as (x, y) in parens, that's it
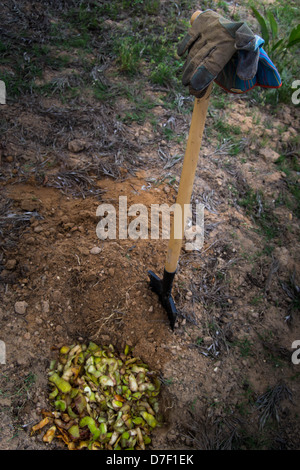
(279, 48)
(289, 164)
(257, 208)
(199, 341)
(168, 381)
(255, 441)
(162, 74)
(103, 92)
(150, 7)
(245, 347)
(257, 300)
(129, 51)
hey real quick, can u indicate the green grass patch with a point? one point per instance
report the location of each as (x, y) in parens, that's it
(245, 347)
(256, 207)
(289, 164)
(128, 52)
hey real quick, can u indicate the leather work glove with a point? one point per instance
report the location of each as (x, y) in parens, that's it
(211, 42)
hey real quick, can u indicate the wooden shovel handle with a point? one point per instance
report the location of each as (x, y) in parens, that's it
(194, 15)
(187, 178)
(187, 175)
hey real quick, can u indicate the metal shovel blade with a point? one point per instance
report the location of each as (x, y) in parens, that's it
(162, 287)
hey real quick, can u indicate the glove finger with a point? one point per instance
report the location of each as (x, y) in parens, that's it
(194, 60)
(209, 67)
(187, 43)
(218, 57)
(201, 79)
(245, 39)
(247, 64)
(230, 26)
(184, 45)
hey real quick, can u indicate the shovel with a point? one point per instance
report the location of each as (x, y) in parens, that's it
(163, 287)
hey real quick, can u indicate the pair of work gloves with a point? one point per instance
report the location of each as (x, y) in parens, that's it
(226, 52)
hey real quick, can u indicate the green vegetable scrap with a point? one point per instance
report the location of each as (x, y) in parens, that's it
(101, 399)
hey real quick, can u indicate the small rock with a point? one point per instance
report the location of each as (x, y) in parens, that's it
(207, 340)
(286, 136)
(68, 225)
(255, 315)
(20, 307)
(29, 205)
(56, 296)
(105, 339)
(95, 250)
(5, 402)
(269, 155)
(151, 309)
(2, 356)
(83, 251)
(283, 256)
(76, 145)
(188, 295)
(111, 272)
(38, 229)
(11, 264)
(45, 306)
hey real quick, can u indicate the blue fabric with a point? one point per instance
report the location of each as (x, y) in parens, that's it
(258, 41)
(267, 75)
